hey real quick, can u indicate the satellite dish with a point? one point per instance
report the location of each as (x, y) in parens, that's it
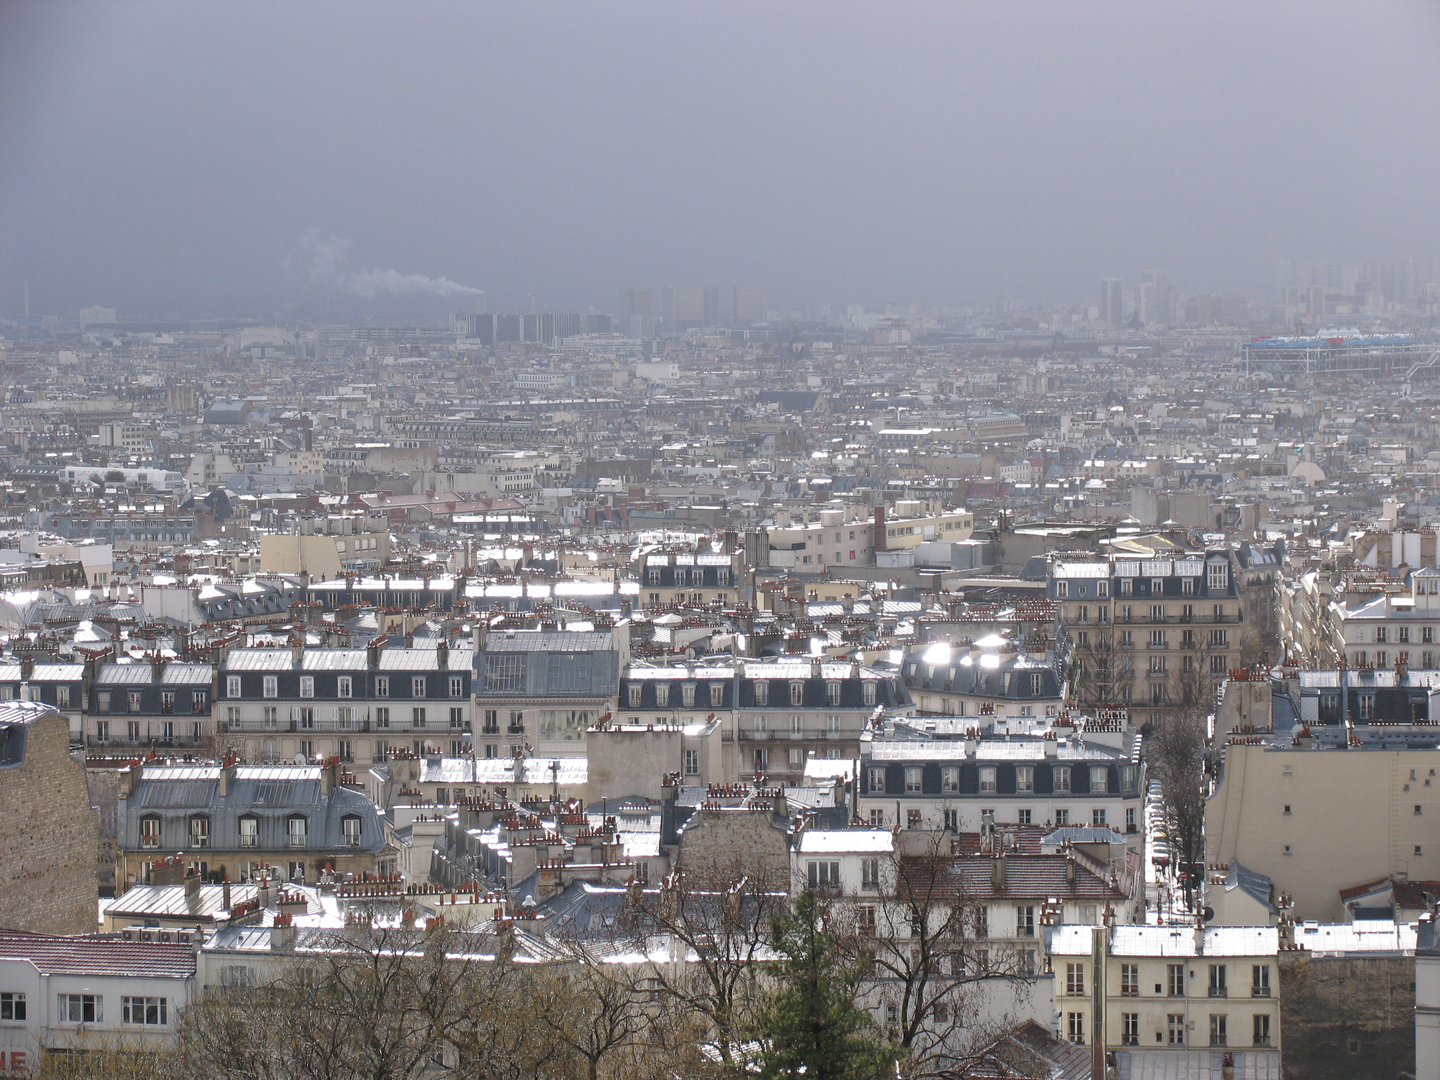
(1207, 913)
(300, 759)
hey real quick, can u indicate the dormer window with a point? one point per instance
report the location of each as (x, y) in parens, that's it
(150, 832)
(797, 692)
(1217, 576)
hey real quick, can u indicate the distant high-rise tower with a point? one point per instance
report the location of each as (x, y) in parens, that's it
(689, 308)
(749, 304)
(637, 319)
(1112, 301)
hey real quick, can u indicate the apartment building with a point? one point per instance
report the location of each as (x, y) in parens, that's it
(1166, 1000)
(831, 539)
(325, 546)
(543, 689)
(155, 704)
(695, 580)
(1152, 634)
(60, 994)
(357, 705)
(928, 774)
(1322, 818)
(248, 821)
(776, 713)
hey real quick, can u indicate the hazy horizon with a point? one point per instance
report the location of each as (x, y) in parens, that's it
(217, 159)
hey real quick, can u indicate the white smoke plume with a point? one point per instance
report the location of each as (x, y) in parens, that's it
(327, 256)
(370, 282)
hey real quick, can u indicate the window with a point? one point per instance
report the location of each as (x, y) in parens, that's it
(1062, 816)
(417, 716)
(762, 759)
(1157, 639)
(1217, 981)
(150, 832)
(1075, 1028)
(12, 1006)
(149, 1011)
(295, 828)
(1097, 817)
(662, 695)
(832, 725)
(1130, 819)
(271, 686)
(717, 695)
(987, 779)
(877, 818)
(1061, 774)
(797, 722)
(1217, 1030)
(980, 921)
(1175, 980)
(796, 759)
(350, 826)
(823, 874)
(797, 693)
(950, 779)
(134, 700)
(1023, 817)
(417, 686)
(199, 831)
(305, 714)
(382, 716)
(868, 690)
(1260, 980)
(307, 686)
(1025, 921)
(865, 919)
(1129, 980)
(1261, 1029)
(1427, 635)
(869, 873)
(1217, 575)
(762, 692)
(952, 820)
(232, 686)
(1062, 590)
(81, 1009)
(62, 697)
(1157, 612)
(1129, 1029)
(912, 780)
(875, 778)
(1025, 778)
(345, 751)
(1074, 979)
(832, 694)
(1175, 1029)
(1382, 634)
(1099, 780)
(457, 717)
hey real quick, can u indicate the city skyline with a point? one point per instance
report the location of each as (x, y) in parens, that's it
(938, 155)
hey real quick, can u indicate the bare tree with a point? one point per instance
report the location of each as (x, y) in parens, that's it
(1176, 750)
(1102, 670)
(928, 940)
(593, 1010)
(375, 1004)
(716, 920)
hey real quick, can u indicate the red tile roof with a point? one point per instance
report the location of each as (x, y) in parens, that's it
(98, 955)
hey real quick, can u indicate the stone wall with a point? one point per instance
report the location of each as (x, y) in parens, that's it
(48, 860)
(1347, 1018)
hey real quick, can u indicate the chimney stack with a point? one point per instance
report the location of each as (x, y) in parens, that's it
(997, 871)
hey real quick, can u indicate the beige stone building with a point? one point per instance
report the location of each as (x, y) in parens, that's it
(1319, 821)
(47, 863)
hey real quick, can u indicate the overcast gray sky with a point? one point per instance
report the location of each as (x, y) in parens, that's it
(205, 158)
